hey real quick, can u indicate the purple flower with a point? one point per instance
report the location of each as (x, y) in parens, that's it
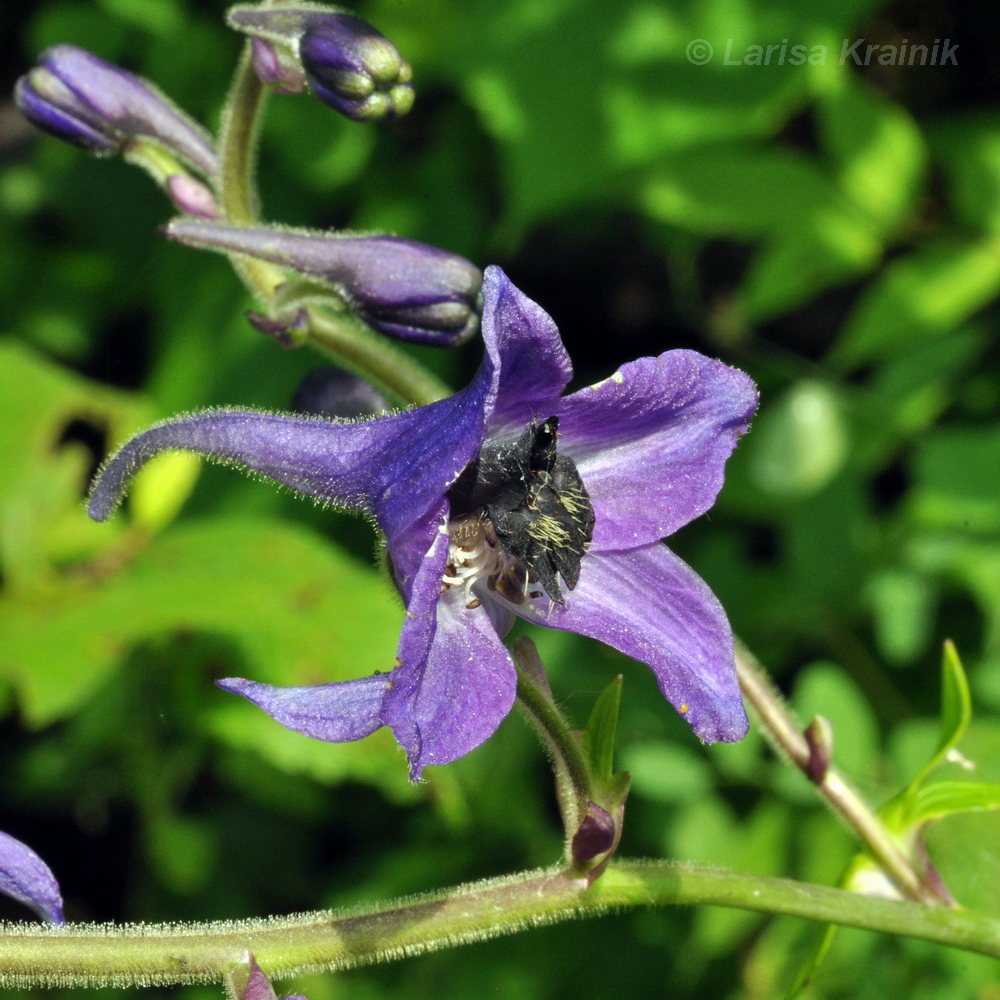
(28, 879)
(507, 499)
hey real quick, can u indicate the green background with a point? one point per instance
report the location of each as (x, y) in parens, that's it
(834, 230)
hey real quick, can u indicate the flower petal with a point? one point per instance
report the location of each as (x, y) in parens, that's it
(337, 713)
(396, 468)
(650, 443)
(28, 879)
(456, 681)
(652, 606)
(535, 367)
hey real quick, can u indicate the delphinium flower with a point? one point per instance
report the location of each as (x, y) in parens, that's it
(507, 499)
(28, 879)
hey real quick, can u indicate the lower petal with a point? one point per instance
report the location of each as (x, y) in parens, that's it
(455, 682)
(652, 606)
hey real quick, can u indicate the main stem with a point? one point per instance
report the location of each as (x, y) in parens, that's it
(147, 955)
(780, 725)
(346, 340)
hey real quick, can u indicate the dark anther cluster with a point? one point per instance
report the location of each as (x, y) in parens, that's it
(535, 501)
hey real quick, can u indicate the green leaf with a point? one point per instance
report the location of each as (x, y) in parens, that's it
(599, 736)
(922, 295)
(877, 149)
(956, 703)
(968, 148)
(799, 443)
(942, 798)
(302, 611)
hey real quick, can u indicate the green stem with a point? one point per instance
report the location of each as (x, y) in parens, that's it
(147, 955)
(574, 781)
(786, 734)
(349, 342)
(374, 357)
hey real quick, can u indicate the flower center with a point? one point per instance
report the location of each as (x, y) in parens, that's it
(520, 517)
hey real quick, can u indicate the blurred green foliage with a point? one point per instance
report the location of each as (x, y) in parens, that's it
(832, 229)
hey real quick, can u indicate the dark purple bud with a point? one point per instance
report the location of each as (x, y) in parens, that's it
(286, 333)
(78, 97)
(819, 739)
(333, 392)
(400, 287)
(28, 879)
(348, 64)
(597, 834)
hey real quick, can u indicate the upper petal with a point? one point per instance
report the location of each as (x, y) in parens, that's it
(652, 606)
(535, 368)
(396, 468)
(651, 442)
(455, 682)
(28, 879)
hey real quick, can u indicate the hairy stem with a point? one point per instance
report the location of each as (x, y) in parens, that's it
(573, 777)
(348, 341)
(101, 955)
(784, 731)
(374, 358)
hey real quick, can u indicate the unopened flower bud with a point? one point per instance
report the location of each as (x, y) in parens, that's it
(76, 96)
(334, 392)
(402, 288)
(347, 63)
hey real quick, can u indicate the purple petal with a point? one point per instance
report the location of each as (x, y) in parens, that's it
(651, 606)
(535, 366)
(28, 879)
(456, 681)
(336, 713)
(651, 442)
(396, 468)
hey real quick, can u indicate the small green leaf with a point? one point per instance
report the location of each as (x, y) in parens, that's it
(956, 704)
(942, 798)
(599, 736)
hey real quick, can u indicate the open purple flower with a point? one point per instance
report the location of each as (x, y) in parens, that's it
(507, 499)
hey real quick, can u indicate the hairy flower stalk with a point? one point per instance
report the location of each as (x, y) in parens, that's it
(346, 62)
(104, 109)
(507, 500)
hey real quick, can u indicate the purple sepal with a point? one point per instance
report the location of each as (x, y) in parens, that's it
(349, 64)
(78, 97)
(286, 333)
(273, 67)
(678, 415)
(407, 290)
(29, 880)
